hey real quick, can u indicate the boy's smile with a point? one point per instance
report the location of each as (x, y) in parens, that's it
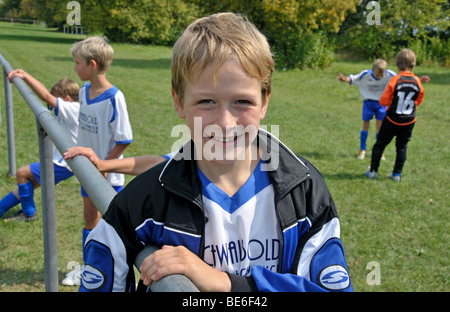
(229, 106)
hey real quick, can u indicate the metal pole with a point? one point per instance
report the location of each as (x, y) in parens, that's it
(171, 283)
(98, 189)
(10, 125)
(48, 210)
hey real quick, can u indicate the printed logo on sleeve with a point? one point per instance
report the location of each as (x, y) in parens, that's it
(92, 278)
(334, 277)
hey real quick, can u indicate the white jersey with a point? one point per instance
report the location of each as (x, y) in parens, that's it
(241, 231)
(66, 114)
(103, 123)
(370, 87)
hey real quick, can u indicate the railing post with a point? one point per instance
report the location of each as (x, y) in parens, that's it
(48, 210)
(10, 125)
(92, 180)
(170, 283)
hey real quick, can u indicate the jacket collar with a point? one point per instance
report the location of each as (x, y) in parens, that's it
(285, 169)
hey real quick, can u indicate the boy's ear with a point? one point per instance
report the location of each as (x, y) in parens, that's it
(178, 105)
(93, 64)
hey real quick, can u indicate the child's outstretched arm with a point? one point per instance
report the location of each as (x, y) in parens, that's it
(341, 77)
(35, 85)
(130, 166)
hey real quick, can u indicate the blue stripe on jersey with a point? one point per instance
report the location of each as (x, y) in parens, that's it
(153, 232)
(114, 105)
(365, 73)
(291, 236)
(255, 183)
(110, 93)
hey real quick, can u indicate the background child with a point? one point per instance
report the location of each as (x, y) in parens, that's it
(371, 84)
(402, 96)
(103, 122)
(224, 222)
(63, 100)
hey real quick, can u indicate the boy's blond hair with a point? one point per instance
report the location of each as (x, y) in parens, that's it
(66, 87)
(216, 39)
(94, 48)
(379, 66)
(406, 59)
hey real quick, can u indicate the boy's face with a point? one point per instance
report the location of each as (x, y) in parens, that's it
(83, 69)
(227, 110)
(378, 74)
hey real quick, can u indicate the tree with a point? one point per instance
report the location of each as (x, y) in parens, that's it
(296, 29)
(420, 25)
(148, 21)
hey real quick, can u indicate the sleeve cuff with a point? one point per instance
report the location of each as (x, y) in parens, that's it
(241, 283)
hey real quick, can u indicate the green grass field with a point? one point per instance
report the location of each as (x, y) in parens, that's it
(401, 227)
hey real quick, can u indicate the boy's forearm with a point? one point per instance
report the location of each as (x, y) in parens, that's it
(130, 165)
(40, 90)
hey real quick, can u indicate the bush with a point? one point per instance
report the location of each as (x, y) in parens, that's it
(303, 51)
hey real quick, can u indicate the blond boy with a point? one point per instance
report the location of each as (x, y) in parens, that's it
(371, 84)
(237, 221)
(103, 121)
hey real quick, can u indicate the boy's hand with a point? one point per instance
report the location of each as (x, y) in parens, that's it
(16, 73)
(425, 78)
(179, 260)
(80, 150)
(342, 77)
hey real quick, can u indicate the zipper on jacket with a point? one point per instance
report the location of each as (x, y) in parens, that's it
(200, 206)
(280, 225)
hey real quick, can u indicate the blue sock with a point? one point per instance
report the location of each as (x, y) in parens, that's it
(26, 194)
(376, 136)
(8, 202)
(396, 174)
(364, 135)
(85, 235)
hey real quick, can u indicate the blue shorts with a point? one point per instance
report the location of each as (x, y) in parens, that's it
(371, 108)
(118, 188)
(61, 173)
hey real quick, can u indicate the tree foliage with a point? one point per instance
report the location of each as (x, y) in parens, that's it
(303, 33)
(420, 25)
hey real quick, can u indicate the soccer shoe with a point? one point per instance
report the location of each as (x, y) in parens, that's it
(73, 278)
(21, 216)
(362, 154)
(370, 174)
(395, 177)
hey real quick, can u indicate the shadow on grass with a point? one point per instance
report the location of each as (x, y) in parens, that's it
(43, 39)
(27, 280)
(161, 63)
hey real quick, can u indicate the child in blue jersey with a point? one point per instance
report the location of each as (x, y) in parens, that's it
(371, 83)
(103, 121)
(63, 100)
(233, 209)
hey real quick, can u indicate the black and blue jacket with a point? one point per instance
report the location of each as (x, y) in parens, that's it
(163, 206)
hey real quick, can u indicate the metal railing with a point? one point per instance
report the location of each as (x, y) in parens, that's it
(98, 189)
